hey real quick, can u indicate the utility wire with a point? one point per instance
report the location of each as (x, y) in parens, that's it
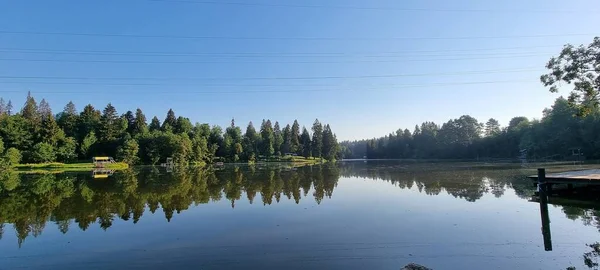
(171, 53)
(263, 62)
(474, 72)
(279, 38)
(390, 87)
(279, 5)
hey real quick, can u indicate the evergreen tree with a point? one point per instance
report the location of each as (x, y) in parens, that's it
(109, 124)
(130, 118)
(317, 139)
(50, 132)
(68, 119)
(9, 108)
(170, 121)
(330, 145)
(286, 146)
(44, 109)
(305, 143)
(30, 109)
(277, 139)
(492, 127)
(89, 121)
(251, 141)
(267, 138)
(233, 142)
(2, 107)
(139, 124)
(295, 137)
(155, 124)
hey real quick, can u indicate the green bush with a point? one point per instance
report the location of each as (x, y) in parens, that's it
(12, 156)
(43, 152)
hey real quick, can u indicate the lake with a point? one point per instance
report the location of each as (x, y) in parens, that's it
(351, 215)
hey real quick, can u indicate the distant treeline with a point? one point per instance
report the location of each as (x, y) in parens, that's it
(35, 135)
(560, 134)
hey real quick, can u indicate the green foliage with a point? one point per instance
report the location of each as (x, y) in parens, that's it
(277, 139)
(67, 120)
(67, 150)
(577, 66)
(317, 139)
(267, 138)
(155, 124)
(330, 144)
(50, 132)
(43, 152)
(86, 145)
(111, 126)
(251, 142)
(12, 156)
(89, 121)
(492, 127)
(183, 125)
(170, 121)
(30, 109)
(295, 137)
(139, 123)
(306, 143)
(16, 132)
(128, 152)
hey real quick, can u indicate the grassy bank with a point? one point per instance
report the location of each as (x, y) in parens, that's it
(55, 166)
(296, 160)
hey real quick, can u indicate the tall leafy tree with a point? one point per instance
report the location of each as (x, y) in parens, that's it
(577, 66)
(305, 143)
(317, 139)
(16, 132)
(277, 138)
(295, 137)
(183, 125)
(154, 124)
(170, 121)
(267, 138)
(130, 118)
(87, 144)
(232, 141)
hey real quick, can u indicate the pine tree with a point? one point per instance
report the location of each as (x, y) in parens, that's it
(44, 109)
(492, 127)
(317, 139)
(286, 146)
(295, 137)
(30, 110)
(155, 124)
(2, 107)
(109, 124)
(267, 138)
(277, 139)
(9, 108)
(183, 125)
(130, 118)
(68, 120)
(330, 144)
(305, 143)
(139, 124)
(170, 121)
(251, 140)
(89, 121)
(50, 132)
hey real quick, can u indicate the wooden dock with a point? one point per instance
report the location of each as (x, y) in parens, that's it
(591, 177)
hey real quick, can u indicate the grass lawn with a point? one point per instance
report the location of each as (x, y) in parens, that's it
(55, 166)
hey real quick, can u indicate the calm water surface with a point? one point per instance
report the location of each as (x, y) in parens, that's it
(353, 215)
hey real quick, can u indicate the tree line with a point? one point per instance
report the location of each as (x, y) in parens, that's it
(36, 135)
(561, 134)
(569, 129)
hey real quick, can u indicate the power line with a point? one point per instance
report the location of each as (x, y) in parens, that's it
(264, 62)
(389, 87)
(280, 38)
(472, 72)
(170, 53)
(278, 5)
(257, 55)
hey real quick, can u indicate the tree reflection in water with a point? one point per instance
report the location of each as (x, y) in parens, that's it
(29, 202)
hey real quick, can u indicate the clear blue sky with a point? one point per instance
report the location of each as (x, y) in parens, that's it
(284, 60)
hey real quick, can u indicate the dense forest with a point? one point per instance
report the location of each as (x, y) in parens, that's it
(556, 136)
(570, 128)
(36, 135)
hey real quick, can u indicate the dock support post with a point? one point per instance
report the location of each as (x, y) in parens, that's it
(542, 191)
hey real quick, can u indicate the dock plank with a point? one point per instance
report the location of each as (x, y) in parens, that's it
(575, 176)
